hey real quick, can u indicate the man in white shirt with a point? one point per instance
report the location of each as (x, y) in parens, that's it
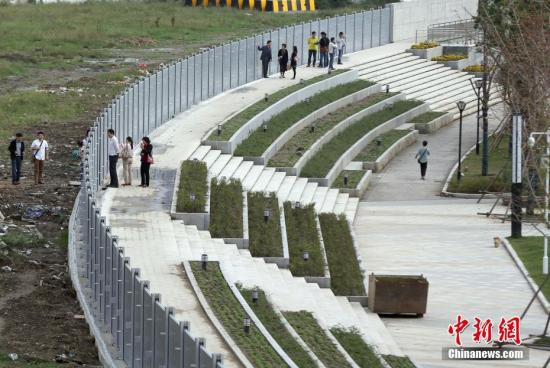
(113, 149)
(39, 148)
(341, 44)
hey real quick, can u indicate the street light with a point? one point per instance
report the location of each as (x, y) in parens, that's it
(531, 144)
(477, 90)
(461, 106)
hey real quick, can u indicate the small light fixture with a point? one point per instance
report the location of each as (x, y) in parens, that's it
(461, 105)
(305, 255)
(266, 214)
(531, 141)
(312, 128)
(265, 128)
(378, 141)
(387, 89)
(302, 81)
(329, 71)
(192, 196)
(346, 180)
(266, 97)
(479, 83)
(204, 260)
(219, 129)
(297, 204)
(254, 296)
(246, 325)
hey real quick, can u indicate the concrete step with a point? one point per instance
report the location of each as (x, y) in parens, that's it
(420, 66)
(200, 153)
(413, 83)
(211, 157)
(351, 208)
(460, 86)
(297, 190)
(231, 166)
(397, 62)
(286, 187)
(319, 198)
(242, 170)
(309, 192)
(330, 200)
(264, 179)
(441, 86)
(377, 60)
(275, 182)
(448, 99)
(432, 84)
(413, 75)
(219, 164)
(341, 203)
(252, 176)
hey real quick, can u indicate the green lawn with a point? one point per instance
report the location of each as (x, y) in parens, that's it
(232, 125)
(427, 117)
(302, 235)
(259, 141)
(226, 209)
(315, 337)
(377, 147)
(22, 362)
(193, 182)
(398, 361)
(265, 237)
(292, 150)
(271, 321)
(231, 314)
(473, 182)
(346, 277)
(356, 347)
(530, 250)
(354, 177)
(320, 164)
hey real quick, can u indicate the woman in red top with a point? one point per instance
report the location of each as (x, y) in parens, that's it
(146, 160)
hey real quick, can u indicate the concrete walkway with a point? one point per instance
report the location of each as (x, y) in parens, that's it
(403, 227)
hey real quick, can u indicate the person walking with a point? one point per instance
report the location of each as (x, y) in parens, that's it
(341, 44)
(146, 158)
(265, 57)
(39, 148)
(312, 43)
(127, 154)
(294, 61)
(422, 158)
(323, 50)
(283, 59)
(113, 150)
(332, 48)
(16, 148)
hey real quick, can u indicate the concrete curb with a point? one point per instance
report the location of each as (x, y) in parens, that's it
(358, 146)
(434, 125)
(532, 284)
(362, 299)
(212, 317)
(318, 114)
(388, 155)
(322, 281)
(308, 154)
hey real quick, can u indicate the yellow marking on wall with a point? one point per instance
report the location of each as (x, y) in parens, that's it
(311, 5)
(284, 4)
(251, 4)
(293, 4)
(303, 5)
(275, 6)
(263, 4)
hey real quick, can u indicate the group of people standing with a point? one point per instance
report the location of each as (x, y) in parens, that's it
(39, 154)
(329, 49)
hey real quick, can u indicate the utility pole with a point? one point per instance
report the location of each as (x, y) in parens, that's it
(484, 108)
(517, 169)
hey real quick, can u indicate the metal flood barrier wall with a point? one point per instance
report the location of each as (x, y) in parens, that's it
(143, 331)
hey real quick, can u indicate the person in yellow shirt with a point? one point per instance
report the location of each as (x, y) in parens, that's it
(312, 43)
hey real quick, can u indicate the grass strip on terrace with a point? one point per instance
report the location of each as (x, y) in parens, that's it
(530, 250)
(226, 208)
(302, 235)
(292, 150)
(427, 117)
(231, 314)
(272, 322)
(193, 187)
(260, 140)
(265, 236)
(233, 124)
(356, 347)
(377, 147)
(322, 162)
(316, 338)
(346, 277)
(398, 361)
(354, 177)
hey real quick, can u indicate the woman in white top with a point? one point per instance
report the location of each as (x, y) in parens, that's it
(126, 153)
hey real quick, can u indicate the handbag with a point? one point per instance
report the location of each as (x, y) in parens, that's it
(150, 160)
(422, 155)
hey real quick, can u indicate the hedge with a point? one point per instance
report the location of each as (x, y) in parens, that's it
(265, 239)
(356, 347)
(226, 208)
(427, 117)
(193, 181)
(398, 361)
(376, 148)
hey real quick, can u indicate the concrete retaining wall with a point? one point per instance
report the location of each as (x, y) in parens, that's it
(427, 53)
(410, 16)
(340, 127)
(434, 125)
(354, 150)
(391, 152)
(318, 114)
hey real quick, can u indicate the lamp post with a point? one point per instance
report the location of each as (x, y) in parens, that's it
(517, 171)
(461, 106)
(477, 90)
(531, 144)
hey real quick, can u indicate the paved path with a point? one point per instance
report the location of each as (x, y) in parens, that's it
(403, 227)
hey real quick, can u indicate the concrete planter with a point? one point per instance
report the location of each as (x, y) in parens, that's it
(434, 125)
(340, 127)
(360, 145)
(361, 186)
(322, 281)
(398, 294)
(456, 64)
(318, 114)
(427, 53)
(244, 131)
(391, 152)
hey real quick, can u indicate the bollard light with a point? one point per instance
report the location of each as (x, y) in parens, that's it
(387, 89)
(346, 180)
(192, 196)
(266, 214)
(266, 97)
(306, 256)
(204, 261)
(246, 325)
(312, 128)
(297, 204)
(219, 129)
(265, 128)
(254, 296)
(378, 141)
(302, 81)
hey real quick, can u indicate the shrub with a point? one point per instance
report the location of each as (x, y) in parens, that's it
(376, 148)
(226, 208)
(356, 347)
(272, 322)
(265, 237)
(231, 314)
(424, 45)
(398, 361)
(427, 117)
(316, 338)
(476, 68)
(346, 277)
(302, 235)
(193, 181)
(449, 57)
